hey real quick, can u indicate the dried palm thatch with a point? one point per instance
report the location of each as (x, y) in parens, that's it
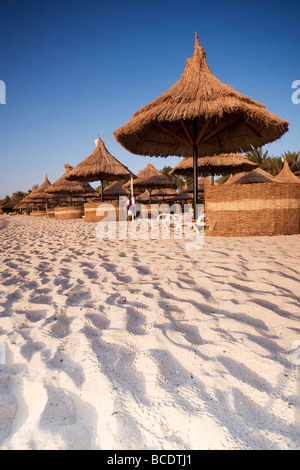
(222, 164)
(254, 176)
(202, 183)
(286, 175)
(183, 196)
(164, 193)
(201, 113)
(70, 188)
(233, 178)
(39, 195)
(226, 119)
(145, 197)
(114, 190)
(100, 165)
(151, 178)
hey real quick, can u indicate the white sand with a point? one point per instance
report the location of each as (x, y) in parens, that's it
(144, 345)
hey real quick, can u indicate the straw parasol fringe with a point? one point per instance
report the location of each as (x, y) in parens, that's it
(226, 119)
(217, 164)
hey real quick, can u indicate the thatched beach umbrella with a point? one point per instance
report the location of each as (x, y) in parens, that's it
(199, 115)
(70, 188)
(151, 178)
(222, 164)
(286, 175)
(100, 165)
(255, 176)
(39, 195)
(145, 197)
(164, 193)
(202, 183)
(114, 190)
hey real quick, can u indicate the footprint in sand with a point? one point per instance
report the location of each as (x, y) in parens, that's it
(9, 387)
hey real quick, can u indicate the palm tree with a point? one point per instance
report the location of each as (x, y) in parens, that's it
(273, 165)
(258, 156)
(178, 180)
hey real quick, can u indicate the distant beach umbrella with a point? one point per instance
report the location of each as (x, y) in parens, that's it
(223, 164)
(100, 165)
(150, 178)
(286, 175)
(255, 176)
(71, 188)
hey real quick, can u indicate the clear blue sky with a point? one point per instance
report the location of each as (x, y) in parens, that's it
(75, 69)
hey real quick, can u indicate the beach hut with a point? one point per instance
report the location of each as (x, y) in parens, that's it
(199, 115)
(150, 178)
(286, 175)
(100, 165)
(222, 164)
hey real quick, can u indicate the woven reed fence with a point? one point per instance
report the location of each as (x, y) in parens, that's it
(244, 210)
(68, 212)
(38, 213)
(90, 211)
(50, 214)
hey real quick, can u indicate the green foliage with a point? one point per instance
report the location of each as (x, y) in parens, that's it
(178, 180)
(274, 165)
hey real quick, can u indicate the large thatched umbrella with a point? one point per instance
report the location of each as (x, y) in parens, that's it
(100, 165)
(223, 164)
(151, 178)
(71, 188)
(199, 115)
(286, 175)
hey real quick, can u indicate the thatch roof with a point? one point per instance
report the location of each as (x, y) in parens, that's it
(183, 196)
(151, 178)
(202, 183)
(39, 193)
(98, 166)
(64, 187)
(222, 164)
(164, 192)
(145, 196)
(114, 190)
(254, 176)
(286, 175)
(199, 110)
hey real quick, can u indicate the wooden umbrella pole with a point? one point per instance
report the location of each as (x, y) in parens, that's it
(212, 177)
(150, 190)
(195, 169)
(101, 190)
